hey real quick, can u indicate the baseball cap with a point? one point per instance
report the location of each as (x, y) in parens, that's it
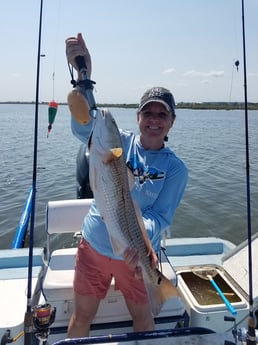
(158, 94)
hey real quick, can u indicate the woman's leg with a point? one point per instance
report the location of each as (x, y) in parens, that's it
(141, 315)
(85, 309)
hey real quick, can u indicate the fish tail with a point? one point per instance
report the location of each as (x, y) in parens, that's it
(159, 293)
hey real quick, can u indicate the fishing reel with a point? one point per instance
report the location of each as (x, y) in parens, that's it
(43, 317)
(242, 334)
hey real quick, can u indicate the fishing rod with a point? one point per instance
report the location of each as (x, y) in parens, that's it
(251, 338)
(28, 318)
(87, 84)
(81, 110)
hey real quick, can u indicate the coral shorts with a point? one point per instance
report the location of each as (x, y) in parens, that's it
(94, 273)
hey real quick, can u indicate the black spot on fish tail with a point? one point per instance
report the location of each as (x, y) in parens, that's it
(160, 292)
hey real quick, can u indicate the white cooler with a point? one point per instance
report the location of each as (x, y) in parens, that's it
(203, 304)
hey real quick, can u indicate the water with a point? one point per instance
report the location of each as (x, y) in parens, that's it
(212, 144)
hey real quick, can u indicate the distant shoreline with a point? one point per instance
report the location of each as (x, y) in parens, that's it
(180, 105)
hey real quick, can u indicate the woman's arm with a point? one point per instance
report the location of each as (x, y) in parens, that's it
(159, 217)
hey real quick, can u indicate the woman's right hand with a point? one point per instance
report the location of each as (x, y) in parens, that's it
(75, 46)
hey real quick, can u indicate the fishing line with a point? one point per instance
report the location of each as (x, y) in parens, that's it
(231, 83)
(53, 86)
(53, 105)
(234, 66)
(55, 48)
(235, 45)
(28, 319)
(251, 339)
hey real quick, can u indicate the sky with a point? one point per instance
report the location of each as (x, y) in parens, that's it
(188, 46)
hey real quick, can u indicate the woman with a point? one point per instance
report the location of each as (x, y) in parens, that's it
(160, 181)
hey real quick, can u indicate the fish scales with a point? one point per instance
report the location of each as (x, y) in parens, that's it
(129, 222)
(112, 182)
(111, 188)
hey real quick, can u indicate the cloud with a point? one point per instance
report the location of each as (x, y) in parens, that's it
(193, 73)
(169, 71)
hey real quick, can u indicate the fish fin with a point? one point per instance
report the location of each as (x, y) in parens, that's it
(112, 155)
(159, 293)
(117, 152)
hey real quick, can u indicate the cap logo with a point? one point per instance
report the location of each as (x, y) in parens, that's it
(156, 92)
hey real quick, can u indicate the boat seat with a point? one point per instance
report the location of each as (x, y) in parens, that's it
(58, 283)
(67, 216)
(58, 291)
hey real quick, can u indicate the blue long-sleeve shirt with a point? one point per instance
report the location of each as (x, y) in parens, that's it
(160, 181)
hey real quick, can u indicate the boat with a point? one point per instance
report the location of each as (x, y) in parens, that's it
(198, 313)
(217, 301)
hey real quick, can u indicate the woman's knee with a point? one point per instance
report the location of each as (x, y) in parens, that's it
(85, 308)
(142, 316)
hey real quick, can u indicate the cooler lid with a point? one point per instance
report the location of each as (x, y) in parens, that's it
(236, 264)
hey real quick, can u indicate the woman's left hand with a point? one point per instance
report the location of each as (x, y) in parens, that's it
(132, 257)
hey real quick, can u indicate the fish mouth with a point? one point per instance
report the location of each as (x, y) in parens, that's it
(100, 116)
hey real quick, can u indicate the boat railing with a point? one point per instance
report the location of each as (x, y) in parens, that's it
(136, 336)
(21, 230)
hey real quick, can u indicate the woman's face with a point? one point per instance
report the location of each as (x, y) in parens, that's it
(154, 123)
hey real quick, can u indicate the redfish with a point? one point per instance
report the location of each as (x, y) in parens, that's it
(110, 183)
